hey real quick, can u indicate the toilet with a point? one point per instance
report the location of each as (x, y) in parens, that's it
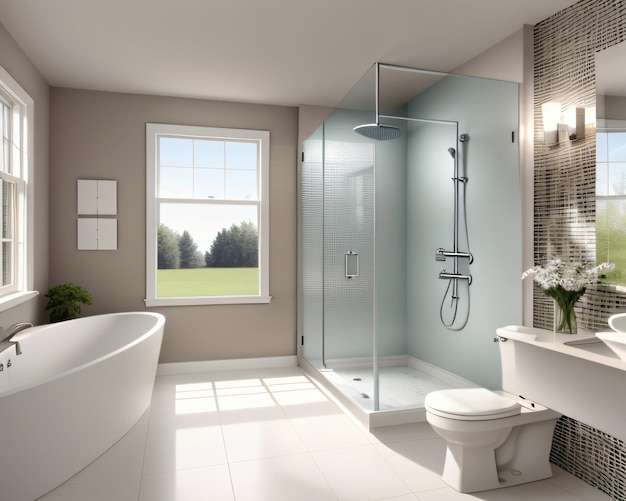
(494, 438)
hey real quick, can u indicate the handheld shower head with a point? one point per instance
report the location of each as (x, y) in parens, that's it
(452, 152)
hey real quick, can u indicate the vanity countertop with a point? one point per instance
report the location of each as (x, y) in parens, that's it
(584, 345)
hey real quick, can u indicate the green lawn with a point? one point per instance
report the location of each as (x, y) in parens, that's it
(208, 282)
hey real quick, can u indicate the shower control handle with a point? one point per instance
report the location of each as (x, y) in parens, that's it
(441, 255)
(455, 276)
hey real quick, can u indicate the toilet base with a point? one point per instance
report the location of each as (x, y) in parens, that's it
(524, 457)
(470, 469)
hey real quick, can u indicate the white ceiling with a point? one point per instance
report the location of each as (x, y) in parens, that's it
(287, 52)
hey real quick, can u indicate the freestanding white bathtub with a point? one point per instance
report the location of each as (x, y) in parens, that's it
(75, 390)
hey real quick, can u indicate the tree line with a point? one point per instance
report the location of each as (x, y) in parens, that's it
(234, 247)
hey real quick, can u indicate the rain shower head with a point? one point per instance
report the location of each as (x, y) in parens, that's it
(452, 152)
(378, 132)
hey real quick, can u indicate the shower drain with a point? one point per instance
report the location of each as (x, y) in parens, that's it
(364, 395)
(356, 379)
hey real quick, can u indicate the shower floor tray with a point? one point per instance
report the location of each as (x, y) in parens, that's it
(402, 389)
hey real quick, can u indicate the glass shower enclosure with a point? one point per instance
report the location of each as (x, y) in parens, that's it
(369, 228)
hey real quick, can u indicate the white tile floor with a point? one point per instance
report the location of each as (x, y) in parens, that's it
(272, 435)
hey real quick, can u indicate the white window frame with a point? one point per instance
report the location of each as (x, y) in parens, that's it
(23, 108)
(153, 132)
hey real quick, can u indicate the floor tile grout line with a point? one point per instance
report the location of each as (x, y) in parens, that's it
(324, 476)
(157, 382)
(392, 467)
(221, 423)
(145, 448)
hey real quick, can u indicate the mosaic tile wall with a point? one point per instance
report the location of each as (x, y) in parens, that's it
(564, 71)
(595, 457)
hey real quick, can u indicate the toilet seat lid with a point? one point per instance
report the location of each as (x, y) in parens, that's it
(471, 403)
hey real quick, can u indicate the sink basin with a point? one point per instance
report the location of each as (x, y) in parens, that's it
(617, 322)
(616, 341)
(592, 345)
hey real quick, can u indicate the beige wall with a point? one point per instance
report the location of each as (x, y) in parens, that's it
(101, 135)
(14, 61)
(503, 61)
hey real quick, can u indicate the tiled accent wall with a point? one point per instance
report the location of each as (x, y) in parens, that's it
(597, 458)
(564, 70)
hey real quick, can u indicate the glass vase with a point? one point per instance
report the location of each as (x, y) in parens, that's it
(565, 319)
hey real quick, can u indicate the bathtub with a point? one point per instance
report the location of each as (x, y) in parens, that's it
(75, 390)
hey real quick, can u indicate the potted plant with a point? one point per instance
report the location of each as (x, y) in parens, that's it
(64, 301)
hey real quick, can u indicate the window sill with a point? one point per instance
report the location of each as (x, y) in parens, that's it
(17, 298)
(203, 301)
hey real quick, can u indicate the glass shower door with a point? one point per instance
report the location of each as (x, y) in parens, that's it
(338, 253)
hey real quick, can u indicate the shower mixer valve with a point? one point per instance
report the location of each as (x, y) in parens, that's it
(441, 255)
(444, 275)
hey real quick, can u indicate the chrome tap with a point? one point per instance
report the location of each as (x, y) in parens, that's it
(12, 331)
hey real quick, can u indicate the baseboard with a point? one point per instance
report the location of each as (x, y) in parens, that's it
(170, 369)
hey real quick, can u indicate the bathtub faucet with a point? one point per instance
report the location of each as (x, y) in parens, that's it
(12, 331)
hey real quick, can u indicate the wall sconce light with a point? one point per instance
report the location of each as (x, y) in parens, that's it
(551, 113)
(575, 120)
(555, 130)
(590, 116)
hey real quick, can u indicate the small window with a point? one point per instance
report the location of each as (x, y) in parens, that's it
(207, 215)
(16, 119)
(611, 202)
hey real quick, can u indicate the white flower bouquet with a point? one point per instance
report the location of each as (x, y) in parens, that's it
(566, 284)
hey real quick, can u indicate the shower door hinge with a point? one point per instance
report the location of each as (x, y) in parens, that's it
(512, 136)
(302, 340)
(303, 156)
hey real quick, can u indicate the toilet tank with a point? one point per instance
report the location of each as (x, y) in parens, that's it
(509, 340)
(507, 365)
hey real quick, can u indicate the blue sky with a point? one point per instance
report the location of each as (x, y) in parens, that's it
(207, 172)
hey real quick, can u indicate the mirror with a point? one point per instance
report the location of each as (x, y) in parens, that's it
(611, 160)
(611, 83)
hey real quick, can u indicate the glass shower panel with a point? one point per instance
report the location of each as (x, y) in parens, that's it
(312, 250)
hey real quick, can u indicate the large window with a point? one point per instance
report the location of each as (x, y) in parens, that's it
(207, 215)
(16, 118)
(611, 202)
